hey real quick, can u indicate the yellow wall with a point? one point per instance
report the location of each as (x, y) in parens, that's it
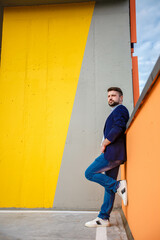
(143, 170)
(42, 52)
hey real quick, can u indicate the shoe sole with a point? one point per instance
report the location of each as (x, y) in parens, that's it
(125, 186)
(95, 226)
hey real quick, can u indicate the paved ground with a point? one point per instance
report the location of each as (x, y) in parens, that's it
(53, 225)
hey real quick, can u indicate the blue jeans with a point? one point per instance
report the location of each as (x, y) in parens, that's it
(107, 180)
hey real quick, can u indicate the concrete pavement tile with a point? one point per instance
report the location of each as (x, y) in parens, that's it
(54, 225)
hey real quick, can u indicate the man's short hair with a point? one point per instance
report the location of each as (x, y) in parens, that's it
(117, 89)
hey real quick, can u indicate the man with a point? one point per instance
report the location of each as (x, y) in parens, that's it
(113, 154)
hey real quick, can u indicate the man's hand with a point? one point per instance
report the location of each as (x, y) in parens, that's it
(105, 143)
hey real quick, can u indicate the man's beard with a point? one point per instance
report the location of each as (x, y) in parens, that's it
(113, 104)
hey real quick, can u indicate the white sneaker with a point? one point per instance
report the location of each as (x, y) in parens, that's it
(98, 222)
(122, 191)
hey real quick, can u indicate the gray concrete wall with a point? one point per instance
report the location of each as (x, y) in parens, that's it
(106, 62)
(38, 2)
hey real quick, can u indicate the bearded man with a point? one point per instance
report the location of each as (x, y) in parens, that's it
(104, 170)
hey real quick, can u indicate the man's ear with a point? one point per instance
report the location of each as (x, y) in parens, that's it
(121, 98)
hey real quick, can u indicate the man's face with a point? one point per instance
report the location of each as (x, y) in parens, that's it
(114, 98)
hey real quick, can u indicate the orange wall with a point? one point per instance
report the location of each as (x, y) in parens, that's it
(135, 78)
(133, 21)
(142, 169)
(133, 32)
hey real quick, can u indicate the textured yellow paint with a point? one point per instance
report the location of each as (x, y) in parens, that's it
(42, 52)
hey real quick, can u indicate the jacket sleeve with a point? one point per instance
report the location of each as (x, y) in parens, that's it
(120, 118)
